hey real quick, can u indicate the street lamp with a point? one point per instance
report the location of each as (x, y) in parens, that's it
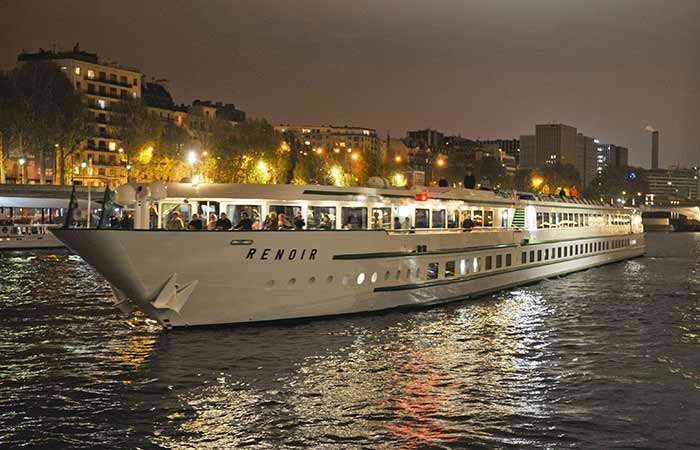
(21, 162)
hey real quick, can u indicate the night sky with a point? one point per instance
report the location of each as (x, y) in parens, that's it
(488, 69)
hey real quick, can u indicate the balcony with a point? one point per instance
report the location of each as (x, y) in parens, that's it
(108, 82)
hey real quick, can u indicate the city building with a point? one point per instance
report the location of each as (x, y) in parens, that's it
(555, 143)
(670, 184)
(586, 158)
(103, 84)
(428, 139)
(509, 146)
(330, 138)
(528, 152)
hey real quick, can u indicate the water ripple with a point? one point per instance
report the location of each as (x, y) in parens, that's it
(606, 358)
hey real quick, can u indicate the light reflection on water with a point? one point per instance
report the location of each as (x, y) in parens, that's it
(603, 358)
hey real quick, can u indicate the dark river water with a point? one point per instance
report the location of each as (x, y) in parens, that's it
(606, 358)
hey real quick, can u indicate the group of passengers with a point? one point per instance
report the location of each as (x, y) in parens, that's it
(273, 222)
(125, 222)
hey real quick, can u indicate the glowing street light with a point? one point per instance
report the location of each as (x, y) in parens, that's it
(355, 156)
(536, 182)
(397, 158)
(22, 161)
(192, 157)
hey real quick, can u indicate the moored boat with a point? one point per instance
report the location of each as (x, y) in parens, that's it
(361, 249)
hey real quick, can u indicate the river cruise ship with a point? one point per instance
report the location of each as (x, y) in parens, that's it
(360, 249)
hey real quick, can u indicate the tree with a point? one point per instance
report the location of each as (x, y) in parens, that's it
(135, 126)
(41, 109)
(552, 177)
(613, 181)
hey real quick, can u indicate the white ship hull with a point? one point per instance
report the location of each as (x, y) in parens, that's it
(203, 278)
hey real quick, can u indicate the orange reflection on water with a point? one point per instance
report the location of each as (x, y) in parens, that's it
(420, 404)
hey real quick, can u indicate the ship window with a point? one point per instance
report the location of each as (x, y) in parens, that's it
(488, 263)
(477, 264)
(509, 260)
(433, 270)
(345, 280)
(329, 279)
(184, 209)
(398, 275)
(374, 277)
(546, 254)
(418, 273)
(354, 218)
(539, 255)
(488, 219)
(312, 280)
(315, 215)
(566, 249)
(449, 269)
(361, 278)
(540, 220)
(464, 266)
(499, 261)
(478, 218)
(387, 275)
(439, 218)
(381, 218)
(559, 252)
(421, 218)
(290, 211)
(523, 258)
(453, 218)
(292, 281)
(532, 256)
(234, 212)
(571, 250)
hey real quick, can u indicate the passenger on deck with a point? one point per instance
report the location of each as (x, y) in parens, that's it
(467, 224)
(115, 221)
(270, 223)
(299, 222)
(283, 223)
(223, 223)
(195, 223)
(325, 223)
(127, 222)
(406, 224)
(245, 224)
(175, 222)
(211, 225)
(397, 223)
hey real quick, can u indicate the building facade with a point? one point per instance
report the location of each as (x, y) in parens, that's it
(510, 146)
(555, 143)
(674, 183)
(336, 139)
(103, 84)
(528, 151)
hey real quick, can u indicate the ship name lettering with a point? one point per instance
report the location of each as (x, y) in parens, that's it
(280, 253)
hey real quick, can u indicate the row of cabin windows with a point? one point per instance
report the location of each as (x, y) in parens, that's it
(317, 217)
(571, 250)
(468, 265)
(568, 220)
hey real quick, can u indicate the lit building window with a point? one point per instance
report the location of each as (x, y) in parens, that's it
(77, 70)
(113, 146)
(91, 74)
(101, 103)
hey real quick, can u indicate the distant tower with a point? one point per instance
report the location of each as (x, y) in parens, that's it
(655, 149)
